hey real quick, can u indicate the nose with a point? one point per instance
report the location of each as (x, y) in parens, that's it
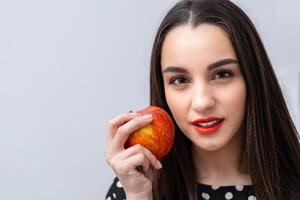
(203, 99)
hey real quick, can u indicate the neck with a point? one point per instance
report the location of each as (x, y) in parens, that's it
(221, 167)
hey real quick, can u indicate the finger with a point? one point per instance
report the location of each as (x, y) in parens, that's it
(125, 130)
(135, 161)
(114, 124)
(141, 149)
(143, 168)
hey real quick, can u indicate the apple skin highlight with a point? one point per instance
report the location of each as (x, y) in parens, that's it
(158, 136)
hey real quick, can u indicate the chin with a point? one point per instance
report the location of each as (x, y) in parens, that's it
(208, 146)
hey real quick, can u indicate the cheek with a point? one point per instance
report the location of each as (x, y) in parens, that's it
(234, 99)
(177, 102)
(172, 100)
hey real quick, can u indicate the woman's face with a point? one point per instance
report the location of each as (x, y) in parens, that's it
(202, 79)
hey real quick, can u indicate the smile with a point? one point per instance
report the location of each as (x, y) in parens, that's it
(208, 128)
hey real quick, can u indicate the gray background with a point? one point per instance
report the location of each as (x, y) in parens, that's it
(67, 67)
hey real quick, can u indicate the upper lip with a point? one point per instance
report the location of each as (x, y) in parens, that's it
(209, 119)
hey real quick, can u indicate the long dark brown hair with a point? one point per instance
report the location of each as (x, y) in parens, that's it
(271, 148)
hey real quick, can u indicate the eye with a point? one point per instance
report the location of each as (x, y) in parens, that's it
(178, 80)
(223, 75)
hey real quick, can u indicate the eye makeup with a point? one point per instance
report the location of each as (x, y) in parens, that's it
(220, 75)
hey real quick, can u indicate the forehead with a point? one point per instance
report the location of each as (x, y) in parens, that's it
(205, 44)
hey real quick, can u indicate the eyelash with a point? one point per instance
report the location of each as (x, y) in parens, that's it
(230, 74)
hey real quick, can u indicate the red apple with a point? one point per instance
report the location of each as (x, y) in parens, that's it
(158, 136)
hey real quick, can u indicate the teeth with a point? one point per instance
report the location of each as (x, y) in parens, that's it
(207, 124)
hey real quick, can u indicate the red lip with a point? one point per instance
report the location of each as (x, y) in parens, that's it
(208, 130)
(209, 119)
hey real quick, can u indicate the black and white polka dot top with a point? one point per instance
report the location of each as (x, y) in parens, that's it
(212, 192)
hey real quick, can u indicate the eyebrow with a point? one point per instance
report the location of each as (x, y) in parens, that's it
(209, 67)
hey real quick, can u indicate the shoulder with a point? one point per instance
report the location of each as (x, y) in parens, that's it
(116, 191)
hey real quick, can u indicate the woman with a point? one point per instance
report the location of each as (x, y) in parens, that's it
(235, 138)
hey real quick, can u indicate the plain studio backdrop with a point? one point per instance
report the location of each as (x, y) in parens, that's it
(67, 67)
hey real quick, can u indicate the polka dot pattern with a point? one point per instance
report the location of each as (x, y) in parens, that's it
(205, 195)
(239, 187)
(119, 185)
(116, 191)
(232, 192)
(204, 192)
(252, 197)
(228, 195)
(215, 187)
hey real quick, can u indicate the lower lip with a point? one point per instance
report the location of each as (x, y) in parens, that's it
(209, 130)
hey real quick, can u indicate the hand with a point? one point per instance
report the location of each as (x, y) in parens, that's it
(133, 166)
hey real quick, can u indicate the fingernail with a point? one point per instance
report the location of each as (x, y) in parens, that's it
(147, 117)
(159, 165)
